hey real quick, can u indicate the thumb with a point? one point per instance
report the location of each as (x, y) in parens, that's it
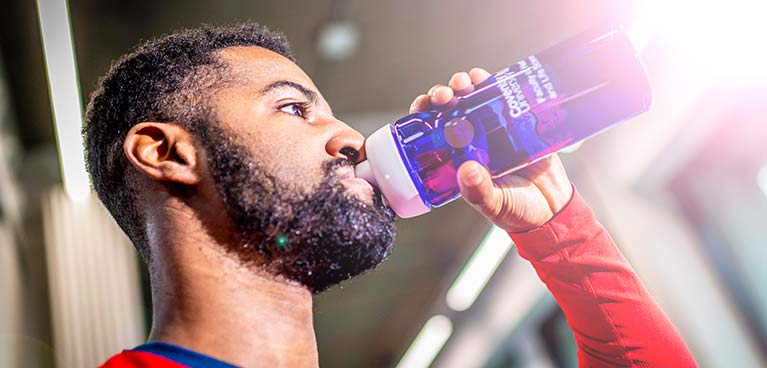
(477, 187)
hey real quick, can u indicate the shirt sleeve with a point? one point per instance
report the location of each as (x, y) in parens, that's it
(615, 320)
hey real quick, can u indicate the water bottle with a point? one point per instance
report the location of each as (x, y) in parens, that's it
(521, 114)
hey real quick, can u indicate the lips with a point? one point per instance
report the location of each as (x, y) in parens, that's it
(346, 172)
(350, 180)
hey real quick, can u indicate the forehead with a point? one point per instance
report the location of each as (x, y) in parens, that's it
(258, 67)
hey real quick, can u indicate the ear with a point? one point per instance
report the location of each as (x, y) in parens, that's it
(163, 152)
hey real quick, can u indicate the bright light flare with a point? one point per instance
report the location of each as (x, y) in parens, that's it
(725, 39)
(478, 270)
(428, 343)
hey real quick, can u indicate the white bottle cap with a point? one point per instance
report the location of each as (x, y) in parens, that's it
(385, 170)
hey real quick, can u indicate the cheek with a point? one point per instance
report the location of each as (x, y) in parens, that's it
(292, 157)
(291, 151)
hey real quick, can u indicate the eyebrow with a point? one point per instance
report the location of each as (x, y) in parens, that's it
(309, 94)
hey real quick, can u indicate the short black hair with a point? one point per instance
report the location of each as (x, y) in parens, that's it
(162, 80)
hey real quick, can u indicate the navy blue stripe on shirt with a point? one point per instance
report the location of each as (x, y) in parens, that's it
(181, 355)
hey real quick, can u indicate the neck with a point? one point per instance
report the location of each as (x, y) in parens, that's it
(208, 302)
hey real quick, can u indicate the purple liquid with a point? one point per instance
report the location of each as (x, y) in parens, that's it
(525, 112)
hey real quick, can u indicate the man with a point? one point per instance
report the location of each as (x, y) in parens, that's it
(222, 162)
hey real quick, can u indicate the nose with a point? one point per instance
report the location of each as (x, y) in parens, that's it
(347, 143)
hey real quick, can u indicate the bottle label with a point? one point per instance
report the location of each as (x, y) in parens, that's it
(536, 78)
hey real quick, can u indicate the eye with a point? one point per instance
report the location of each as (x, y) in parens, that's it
(299, 109)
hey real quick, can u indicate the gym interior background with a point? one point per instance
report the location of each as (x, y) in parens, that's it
(682, 188)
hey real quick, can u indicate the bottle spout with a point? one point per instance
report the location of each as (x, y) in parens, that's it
(364, 171)
(385, 170)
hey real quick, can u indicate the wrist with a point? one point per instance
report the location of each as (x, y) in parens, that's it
(557, 203)
(559, 199)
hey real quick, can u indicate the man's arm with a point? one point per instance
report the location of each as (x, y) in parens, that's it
(615, 320)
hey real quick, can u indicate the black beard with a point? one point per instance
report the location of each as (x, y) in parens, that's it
(317, 239)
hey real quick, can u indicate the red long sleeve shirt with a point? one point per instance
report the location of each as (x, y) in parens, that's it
(615, 320)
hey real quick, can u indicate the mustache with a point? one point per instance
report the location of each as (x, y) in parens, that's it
(332, 168)
(334, 164)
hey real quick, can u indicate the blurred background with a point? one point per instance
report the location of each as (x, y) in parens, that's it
(682, 188)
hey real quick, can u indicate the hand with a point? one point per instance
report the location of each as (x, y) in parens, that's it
(521, 201)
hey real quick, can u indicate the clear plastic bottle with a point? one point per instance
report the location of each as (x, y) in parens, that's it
(519, 115)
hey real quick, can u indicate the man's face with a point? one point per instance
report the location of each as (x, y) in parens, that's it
(277, 157)
(279, 114)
